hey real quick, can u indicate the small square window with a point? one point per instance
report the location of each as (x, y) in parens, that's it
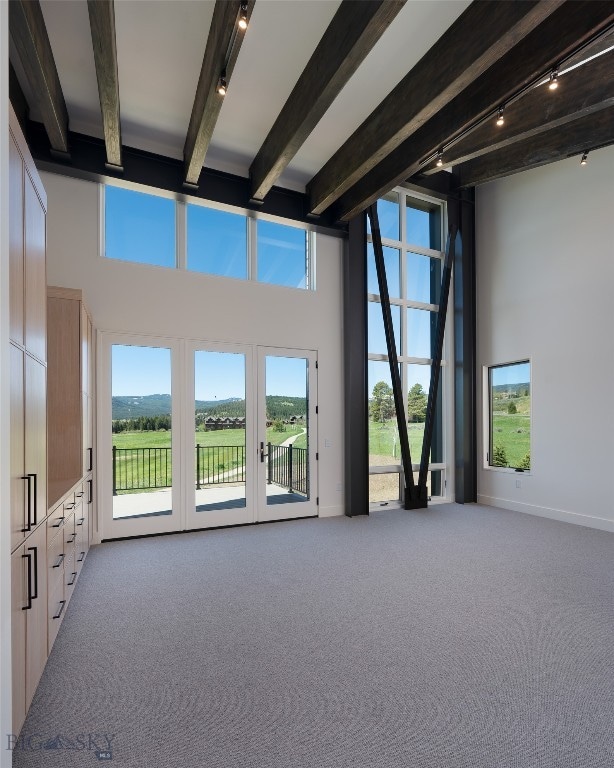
(217, 242)
(423, 221)
(282, 255)
(139, 227)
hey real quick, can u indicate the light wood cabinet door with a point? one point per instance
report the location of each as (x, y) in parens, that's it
(35, 274)
(19, 487)
(29, 620)
(36, 436)
(65, 444)
(36, 616)
(16, 266)
(18, 636)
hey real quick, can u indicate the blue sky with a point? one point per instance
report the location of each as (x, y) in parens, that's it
(518, 373)
(142, 371)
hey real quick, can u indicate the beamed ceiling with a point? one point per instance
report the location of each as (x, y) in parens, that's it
(338, 101)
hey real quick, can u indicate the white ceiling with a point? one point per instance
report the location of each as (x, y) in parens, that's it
(160, 47)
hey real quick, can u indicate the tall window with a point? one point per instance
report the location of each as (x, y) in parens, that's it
(412, 237)
(509, 398)
(156, 230)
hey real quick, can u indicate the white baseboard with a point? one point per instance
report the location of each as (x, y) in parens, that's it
(331, 511)
(601, 523)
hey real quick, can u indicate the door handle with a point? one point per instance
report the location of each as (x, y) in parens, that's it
(29, 523)
(35, 551)
(35, 483)
(29, 605)
(263, 455)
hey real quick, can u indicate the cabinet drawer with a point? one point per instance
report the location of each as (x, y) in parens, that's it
(56, 610)
(70, 573)
(80, 493)
(69, 533)
(58, 517)
(55, 561)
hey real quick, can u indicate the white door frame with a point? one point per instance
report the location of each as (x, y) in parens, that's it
(308, 508)
(141, 526)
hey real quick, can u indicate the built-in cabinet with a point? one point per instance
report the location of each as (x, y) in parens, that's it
(28, 395)
(51, 456)
(71, 443)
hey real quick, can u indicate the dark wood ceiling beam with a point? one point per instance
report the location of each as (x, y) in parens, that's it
(221, 53)
(102, 27)
(29, 35)
(481, 35)
(582, 91)
(556, 38)
(584, 134)
(350, 36)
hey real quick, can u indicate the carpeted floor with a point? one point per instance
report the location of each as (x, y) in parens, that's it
(461, 637)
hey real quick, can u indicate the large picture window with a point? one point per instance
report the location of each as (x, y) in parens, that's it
(509, 398)
(411, 230)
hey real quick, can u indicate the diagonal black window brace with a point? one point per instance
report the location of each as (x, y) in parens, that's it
(415, 495)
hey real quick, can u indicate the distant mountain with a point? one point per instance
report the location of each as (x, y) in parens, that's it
(513, 389)
(133, 406)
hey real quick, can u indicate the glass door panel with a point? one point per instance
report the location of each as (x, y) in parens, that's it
(143, 440)
(287, 426)
(218, 449)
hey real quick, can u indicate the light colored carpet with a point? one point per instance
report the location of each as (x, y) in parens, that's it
(461, 637)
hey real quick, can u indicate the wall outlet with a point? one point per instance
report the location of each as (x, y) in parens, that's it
(518, 483)
(328, 443)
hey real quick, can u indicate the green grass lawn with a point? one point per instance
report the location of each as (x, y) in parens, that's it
(511, 431)
(384, 441)
(162, 439)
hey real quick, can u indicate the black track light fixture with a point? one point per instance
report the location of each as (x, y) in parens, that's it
(222, 85)
(553, 83)
(500, 119)
(584, 160)
(439, 162)
(243, 17)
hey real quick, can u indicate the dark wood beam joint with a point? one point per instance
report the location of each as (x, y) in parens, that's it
(29, 35)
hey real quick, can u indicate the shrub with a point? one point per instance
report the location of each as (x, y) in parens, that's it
(526, 462)
(279, 426)
(499, 456)
(511, 408)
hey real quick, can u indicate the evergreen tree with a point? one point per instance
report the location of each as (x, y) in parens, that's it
(381, 407)
(416, 404)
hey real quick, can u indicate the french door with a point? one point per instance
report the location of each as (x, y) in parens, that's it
(203, 435)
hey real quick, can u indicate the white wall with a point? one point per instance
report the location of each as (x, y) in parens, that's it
(5, 422)
(175, 303)
(545, 266)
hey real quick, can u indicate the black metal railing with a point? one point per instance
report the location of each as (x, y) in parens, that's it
(141, 469)
(144, 469)
(288, 467)
(219, 464)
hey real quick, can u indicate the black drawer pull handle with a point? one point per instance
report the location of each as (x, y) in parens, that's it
(71, 505)
(59, 522)
(80, 521)
(90, 494)
(59, 562)
(79, 495)
(71, 541)
(74, 578)
(81, 556)
(59, 613)
(90, 462)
